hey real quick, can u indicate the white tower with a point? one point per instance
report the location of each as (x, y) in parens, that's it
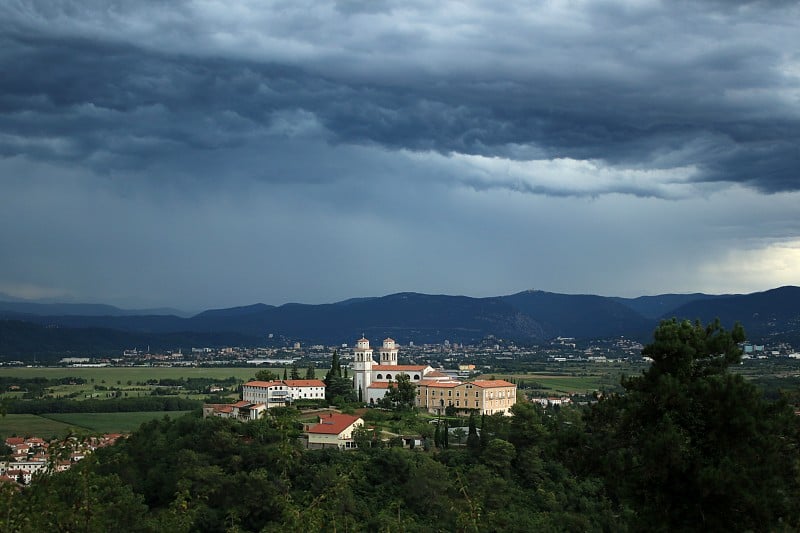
(362, 366)
(389, 352)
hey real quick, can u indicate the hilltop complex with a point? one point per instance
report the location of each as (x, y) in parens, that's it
(436, 391)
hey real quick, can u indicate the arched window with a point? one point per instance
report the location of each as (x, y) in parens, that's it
(388, 376)
(416, 376)
(379, 376)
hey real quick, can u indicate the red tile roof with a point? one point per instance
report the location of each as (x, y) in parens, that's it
(333, 424)
(304, 382)
(400, 368)
(444, 384)
(382, 385)
(492, 383)
(273, 383)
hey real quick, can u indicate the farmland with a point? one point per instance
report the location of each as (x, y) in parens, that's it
(125, 382)
(33, 425)
(111, 422)
(59, 425)
(134, 374)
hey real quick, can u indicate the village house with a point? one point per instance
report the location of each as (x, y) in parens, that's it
(242, 410)
(334, 430)
(279, 392)
(258, 396)
(30, 455)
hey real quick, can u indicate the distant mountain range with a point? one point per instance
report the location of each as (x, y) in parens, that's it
(529, 316)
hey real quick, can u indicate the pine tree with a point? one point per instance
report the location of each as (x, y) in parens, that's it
(310, 373)
(295, 371)
(691, 446)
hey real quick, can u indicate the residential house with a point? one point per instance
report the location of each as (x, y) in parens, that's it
(334, 430)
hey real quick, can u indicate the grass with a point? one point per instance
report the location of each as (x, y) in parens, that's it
(555, 383)
(111, 422)
(59, 424)
(134, 374)
(34, 426)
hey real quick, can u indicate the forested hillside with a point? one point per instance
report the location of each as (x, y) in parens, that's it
(688, 446)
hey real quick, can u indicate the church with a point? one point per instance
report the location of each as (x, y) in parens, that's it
(435, 390)
(371, 380)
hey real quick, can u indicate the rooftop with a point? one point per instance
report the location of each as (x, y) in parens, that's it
(333, 424)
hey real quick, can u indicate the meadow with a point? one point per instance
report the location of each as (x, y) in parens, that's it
(59, 425)
(111, 422)
(111, 374)
(34, 426)
(586, 379)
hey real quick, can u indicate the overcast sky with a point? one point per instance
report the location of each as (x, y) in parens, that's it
(216, 153)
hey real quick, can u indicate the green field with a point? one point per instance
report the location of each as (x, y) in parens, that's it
(110, 375)
(34, 426)
(60, 424)
(551, 383)
(111, 422)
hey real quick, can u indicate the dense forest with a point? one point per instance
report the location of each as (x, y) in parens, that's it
(686, 446)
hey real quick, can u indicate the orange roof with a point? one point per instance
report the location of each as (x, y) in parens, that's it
(492, 383)
(263, 383)
(382, 385)
(13, 441)
(436, 374)
(444, 384)
(304, 382)
(400, 368)
(333, 424)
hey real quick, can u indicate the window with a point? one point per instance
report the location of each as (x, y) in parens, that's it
(379, 376)
(449, 393)
(388, 376)
(416, 376)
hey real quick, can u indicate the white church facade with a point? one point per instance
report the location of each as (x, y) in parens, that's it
(371, 380)
(436, 391)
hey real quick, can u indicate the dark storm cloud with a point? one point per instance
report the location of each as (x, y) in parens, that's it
(223, 152)
(636, 86)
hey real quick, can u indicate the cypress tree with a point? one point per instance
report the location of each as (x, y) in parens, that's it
(473, 440)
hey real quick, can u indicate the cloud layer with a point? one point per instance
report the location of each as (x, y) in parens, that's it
(304, 151)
